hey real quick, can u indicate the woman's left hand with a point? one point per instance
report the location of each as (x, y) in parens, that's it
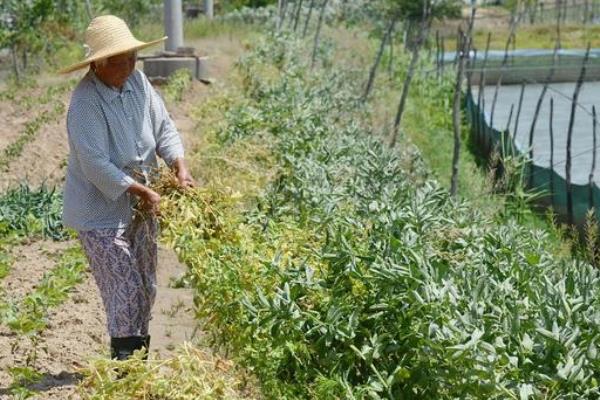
(183, 175)
(185, 179)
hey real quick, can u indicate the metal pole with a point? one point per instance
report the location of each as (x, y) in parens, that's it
(173, 25)
(208, 9)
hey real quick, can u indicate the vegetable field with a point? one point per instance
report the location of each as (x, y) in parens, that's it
(323, 262)
(353, 275)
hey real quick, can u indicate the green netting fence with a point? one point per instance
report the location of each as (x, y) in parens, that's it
(554, 189)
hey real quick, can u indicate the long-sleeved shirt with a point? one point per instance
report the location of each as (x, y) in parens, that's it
(111, 134)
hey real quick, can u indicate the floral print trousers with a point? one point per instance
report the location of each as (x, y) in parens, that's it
(123, 262)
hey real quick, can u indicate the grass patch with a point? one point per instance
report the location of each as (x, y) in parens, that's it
(539, 36)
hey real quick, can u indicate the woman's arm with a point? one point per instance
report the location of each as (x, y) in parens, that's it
(88, 135)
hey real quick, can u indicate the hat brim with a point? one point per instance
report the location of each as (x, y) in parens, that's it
(131, 46)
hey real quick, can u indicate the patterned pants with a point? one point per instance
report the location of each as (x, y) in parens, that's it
(123, 262)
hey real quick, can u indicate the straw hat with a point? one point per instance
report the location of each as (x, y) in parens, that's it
(108, 36)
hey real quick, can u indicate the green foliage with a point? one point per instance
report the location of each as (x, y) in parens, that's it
(5, 263)
(229, 5)
(177, 83)
(412, 9)
(132, 11)
(356, 276)
(27, 212)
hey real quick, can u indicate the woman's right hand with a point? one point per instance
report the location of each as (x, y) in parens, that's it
(149, 198)
(151, 201)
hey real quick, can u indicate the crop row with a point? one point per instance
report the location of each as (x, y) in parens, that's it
(354, 275)
(27, 318)
(27, 212)
(32, 127)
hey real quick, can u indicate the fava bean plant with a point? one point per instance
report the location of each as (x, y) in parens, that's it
(353, 274)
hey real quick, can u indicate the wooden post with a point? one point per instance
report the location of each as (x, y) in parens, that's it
(411, 71)
(463, 52)
(552, 151)
(558, 17)
(15, 62)
(482, 130)
(519, 107)
(502, 68)
(471, 64)
(538, 107)
(88, 9)
(510, 116)
(310, 8)
(437, 54)
(594, 147)
(391, 58)
(483, 66)
(298, 12)
(578, 86)
(283, 13)
(375, 65)
(443, 56)
(318, 33)
(456, 116)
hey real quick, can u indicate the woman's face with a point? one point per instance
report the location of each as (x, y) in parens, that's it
(115, 71)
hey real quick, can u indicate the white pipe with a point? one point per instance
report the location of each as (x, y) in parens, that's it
(173, 24)
(208, 9)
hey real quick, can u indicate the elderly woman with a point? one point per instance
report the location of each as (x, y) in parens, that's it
(117, 126)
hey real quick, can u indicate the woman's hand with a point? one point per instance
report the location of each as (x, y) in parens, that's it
(149, 198)
(151, 201)
(183, 175)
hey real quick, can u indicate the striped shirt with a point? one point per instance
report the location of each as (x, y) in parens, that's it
(111, 134)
